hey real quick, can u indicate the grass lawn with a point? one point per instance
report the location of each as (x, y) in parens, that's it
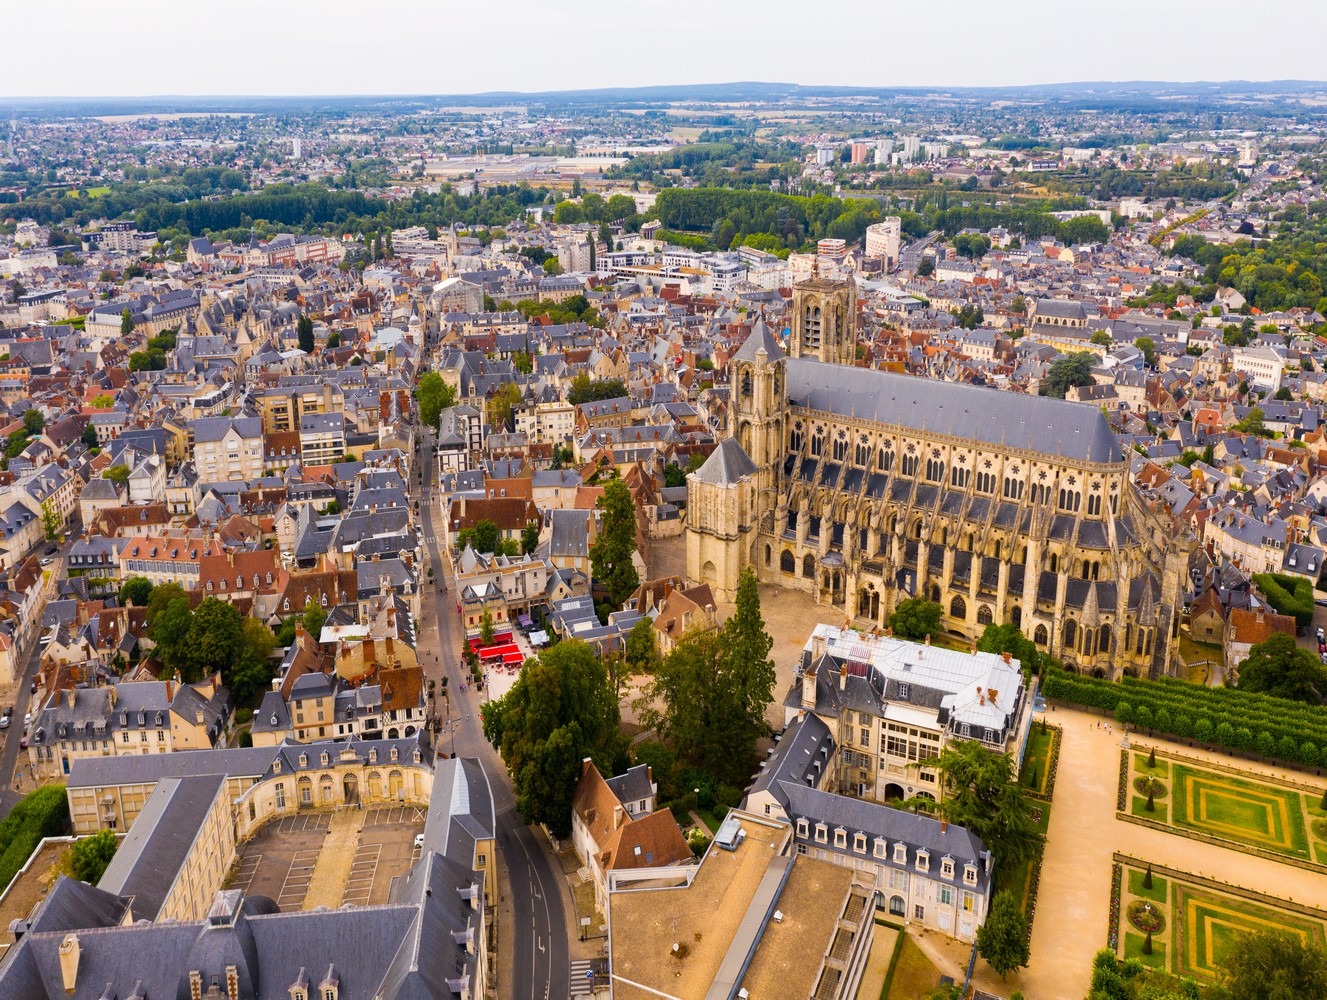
(1140, 765)
(1158, 891)
(1037, 759)
(1139, 808)
(1253, 812)
(1133, 948)
(711, 820)
(913, 973)
(1017, 879)
(1209, 924)
(1194, 653)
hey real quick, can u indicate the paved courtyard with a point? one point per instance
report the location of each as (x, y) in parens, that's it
(279, 861)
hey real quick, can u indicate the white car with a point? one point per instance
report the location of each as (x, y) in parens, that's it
(27, 720)
(419, 841)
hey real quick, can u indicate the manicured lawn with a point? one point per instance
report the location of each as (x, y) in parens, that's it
(1018, 879)
(1253, 812)
(1203, 924)
(1140, 765)
(1037, 760)
(1158, 891)
(1139, 809)
(913, 973)
(1133, 948)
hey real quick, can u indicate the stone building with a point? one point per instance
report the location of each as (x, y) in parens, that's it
(863, 487)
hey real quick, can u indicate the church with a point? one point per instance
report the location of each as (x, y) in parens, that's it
(864, 487)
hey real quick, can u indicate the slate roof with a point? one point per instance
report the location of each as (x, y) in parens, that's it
(1005, 419)
(727, 464)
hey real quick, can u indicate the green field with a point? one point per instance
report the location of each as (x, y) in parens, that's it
(1037, 760)
(1251, 812)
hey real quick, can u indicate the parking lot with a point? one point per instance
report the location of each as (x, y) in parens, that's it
(279, 861)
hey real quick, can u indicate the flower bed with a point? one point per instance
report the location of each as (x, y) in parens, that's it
(1145, 784)
(1122, 801)
(1146, 917)
(1113, 934)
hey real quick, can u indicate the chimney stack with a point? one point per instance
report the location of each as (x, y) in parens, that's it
(928, 638)
(1005, 656)
(843, 677)
(69, 952)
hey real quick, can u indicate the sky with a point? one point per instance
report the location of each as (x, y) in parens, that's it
(309, 47)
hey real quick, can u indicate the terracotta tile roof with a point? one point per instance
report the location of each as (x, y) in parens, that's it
(1245, 625)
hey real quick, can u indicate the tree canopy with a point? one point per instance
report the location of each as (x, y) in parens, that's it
(1280, 668)
(1067, 371)
(586, 390)
(434, 395)
(611, 551)
(916, 618)
(560, 711)
(1008, 638)
(90, 856)
(980, 795)
(1002, 940)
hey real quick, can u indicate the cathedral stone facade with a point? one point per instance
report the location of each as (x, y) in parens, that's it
(864, 487)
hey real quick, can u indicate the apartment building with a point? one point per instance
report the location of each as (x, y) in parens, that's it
(322, 438)
(228, 448)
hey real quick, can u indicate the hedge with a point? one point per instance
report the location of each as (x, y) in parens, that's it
(1225, 717)
(43, 813)
(1289, 595)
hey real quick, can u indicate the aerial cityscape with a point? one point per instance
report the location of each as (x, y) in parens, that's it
(555, 535)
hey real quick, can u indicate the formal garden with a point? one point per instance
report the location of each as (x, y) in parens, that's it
(1249, 812)
(1187, 925)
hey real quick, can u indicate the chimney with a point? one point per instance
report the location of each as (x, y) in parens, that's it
(809, 689)
(843, 677)
(944, 825)
(928, 638)
(817, 647)
(198, 717)
(617, 817)
(69, 952)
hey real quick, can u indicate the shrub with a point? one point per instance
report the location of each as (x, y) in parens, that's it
(1123, 713)
(43, 813)
(1290, 595)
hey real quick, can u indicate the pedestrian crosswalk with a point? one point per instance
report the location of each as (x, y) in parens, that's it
(582, 978)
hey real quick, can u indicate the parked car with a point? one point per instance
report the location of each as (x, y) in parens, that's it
(52, 549)
(419, 841)
(22, 742)
(9, 710)
(27, 720)
(4, 722)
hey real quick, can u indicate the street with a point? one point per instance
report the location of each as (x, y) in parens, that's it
(537, 937)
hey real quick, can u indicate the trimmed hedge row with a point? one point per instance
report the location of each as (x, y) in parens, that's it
(1226, 717)
(43, 813)
(1290, 595)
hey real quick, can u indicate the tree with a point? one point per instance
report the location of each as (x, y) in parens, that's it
(1280, 668)
(1274, 965)
(748, 647)
(482, 537)
(90, 438)
(1009, 639)
(90, 856)
(118, 474)
(215, 639)
(1067, 371)
(642, 650)
(1149, 348)
(333, 340)
(916, 618)
(50, 520)
(611, 552)
(585, 390)
(926, 268)
(560, 711)
(674, 476)
(530, 539)
(251, 674)
(434, 395)
(1100, 338)
(501, 404)
(1003, 939)
(313, 617)
(486, 628)
(33, 422)
(304, 331)
(168, 621)
(968, 317)
(1018, 305)
(137, 590)
(980, 795)
(1252, 423)
(126, 322)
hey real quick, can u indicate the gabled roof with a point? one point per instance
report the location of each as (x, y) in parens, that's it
(727, 464)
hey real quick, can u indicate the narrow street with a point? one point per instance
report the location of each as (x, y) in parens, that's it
(533, 959)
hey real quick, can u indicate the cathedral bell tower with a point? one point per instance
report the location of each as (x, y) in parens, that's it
(758, 399)
(824, 320)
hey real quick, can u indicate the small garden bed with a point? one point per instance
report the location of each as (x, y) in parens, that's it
(1146, 917)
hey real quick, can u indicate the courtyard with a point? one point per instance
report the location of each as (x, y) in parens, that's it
(350, 857)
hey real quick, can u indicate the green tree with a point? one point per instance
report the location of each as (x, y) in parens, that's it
(33, 422)
(215, 640)
(1008, 638)
(168, 621)
(585, 390)
(1003, 939)
(118, 474)
(1274, 965)
(126, 322)
(333, 340)
(50, 520)
(501, 404)
(560, 711)
(1280, 668)
(313, 617)
(434, 395)
(137, 590)
(530, 539)
(89, 856)
(968, 317)
(748, 645)
(1100, 338)
(1149, 348)
(611, 551)
(926, 268)
(90, 438)
(916, 618)
(482, 537)
(1252, 423)
(1067, 371)
(486, 628)
(642, 649)
(981, 796)
(674, 476)
(304, 331)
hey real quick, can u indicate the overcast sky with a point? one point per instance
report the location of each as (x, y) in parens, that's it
(87, 48)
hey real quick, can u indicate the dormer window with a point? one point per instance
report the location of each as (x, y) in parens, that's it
(276, 764)
(880, 847)
(803, 828)
(373, 756)
(859, 843)
(323, 758)
(303, 760)
(395, 754)
(840, 837)
(900, 854)
(822, 833)
(947, 867)
(923, 860)
(969, 874)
